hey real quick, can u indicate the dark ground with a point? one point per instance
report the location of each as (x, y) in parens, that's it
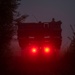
(17, 64)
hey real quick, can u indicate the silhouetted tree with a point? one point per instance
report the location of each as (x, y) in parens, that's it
(69, 57)
(7, 12)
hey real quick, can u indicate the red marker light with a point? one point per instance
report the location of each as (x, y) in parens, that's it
(34, 50)
(47, 49)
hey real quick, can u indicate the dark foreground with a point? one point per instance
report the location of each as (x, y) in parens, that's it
(22, 65)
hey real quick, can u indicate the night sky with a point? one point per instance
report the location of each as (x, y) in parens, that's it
(45, 10)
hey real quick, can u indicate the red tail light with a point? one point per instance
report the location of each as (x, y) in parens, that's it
(47, 49)
(34, 50)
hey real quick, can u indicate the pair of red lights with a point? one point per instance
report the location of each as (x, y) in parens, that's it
(46, 50)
